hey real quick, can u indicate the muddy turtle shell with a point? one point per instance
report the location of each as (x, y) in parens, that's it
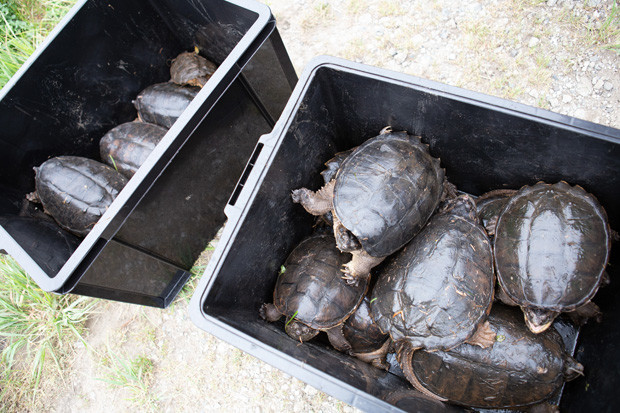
(311, 288)
(386, 190)
(438, 289)
(362, 332)
(163, 103)
(127, 146)
(76, 191)
(189, 68)
(520, 369)
(551, 246)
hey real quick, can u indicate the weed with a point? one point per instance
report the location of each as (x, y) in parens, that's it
(23, 25)
(134, 375)
(608, 34)
(35, 327)
(389, 8)
(320, 13)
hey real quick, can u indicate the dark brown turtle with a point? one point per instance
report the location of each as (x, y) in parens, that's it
(127, 146)
(520, 369)
(311, 294)
(382, 195)
(437, 291)
(551, 248)
(189, 68)
(490, 205)
(76, 191)
(367, 341)
(163, 103)
(333, 165)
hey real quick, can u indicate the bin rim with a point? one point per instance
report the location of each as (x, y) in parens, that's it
(271, 142)
(210, 93)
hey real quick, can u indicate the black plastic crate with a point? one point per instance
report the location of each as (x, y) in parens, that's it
(81, 82)
(484, 143)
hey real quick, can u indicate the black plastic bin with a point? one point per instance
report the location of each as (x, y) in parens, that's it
(483, 142)
(81, 83)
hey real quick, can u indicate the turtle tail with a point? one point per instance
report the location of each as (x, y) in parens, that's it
(404, 355)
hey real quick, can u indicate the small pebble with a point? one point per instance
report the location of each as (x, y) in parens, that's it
(608, 86)
(533, 41)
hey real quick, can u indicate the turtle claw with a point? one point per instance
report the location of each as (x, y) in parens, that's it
(349, 275)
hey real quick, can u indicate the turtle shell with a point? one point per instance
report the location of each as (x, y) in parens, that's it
(386, 190)
(438, 289)
(520, 369)
(489, 206)
(311, 288)
(163, 103)
(127, 146)
(551, 247)
(362, 332)
(333, 165)
(76, 191)
(189, 68)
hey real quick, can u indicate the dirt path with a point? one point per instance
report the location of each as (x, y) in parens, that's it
(533, 52)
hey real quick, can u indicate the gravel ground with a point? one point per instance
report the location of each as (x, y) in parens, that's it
(545, 54)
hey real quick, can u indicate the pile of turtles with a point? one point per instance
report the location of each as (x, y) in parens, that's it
(75, 191)
(434, 301)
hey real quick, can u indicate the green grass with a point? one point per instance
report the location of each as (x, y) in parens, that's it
(133, 374)
(23, 25)
(36, 329)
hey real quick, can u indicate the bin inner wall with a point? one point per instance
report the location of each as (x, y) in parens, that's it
(482, 147)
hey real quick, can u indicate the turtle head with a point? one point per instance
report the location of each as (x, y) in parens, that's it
(300, 332)
(462, 206)
(345, 240)
(538, 320)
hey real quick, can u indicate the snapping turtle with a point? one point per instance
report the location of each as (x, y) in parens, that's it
(489, 205)
(127, 146)
(311, 294)
(551, 248)
(367, 341)
(163, 103)
(520, 369)
(437, 291)
(189, 68)
(380, 198)
(76, 191)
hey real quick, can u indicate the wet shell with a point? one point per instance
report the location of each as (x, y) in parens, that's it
(362, 332)
(386, 190)
(76, 191)
(438, 289)
(551, 247)
(191, 69)
(520, 369)
(127, 146)
(163, 103)
(312, 289)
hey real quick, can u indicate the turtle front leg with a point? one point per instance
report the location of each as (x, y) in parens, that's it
(337, 339)
(316, 203)
(376, 358)
(404, 354)
(581, 315)
(359, 267)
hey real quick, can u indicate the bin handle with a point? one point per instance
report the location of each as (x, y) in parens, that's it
(248, 180)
